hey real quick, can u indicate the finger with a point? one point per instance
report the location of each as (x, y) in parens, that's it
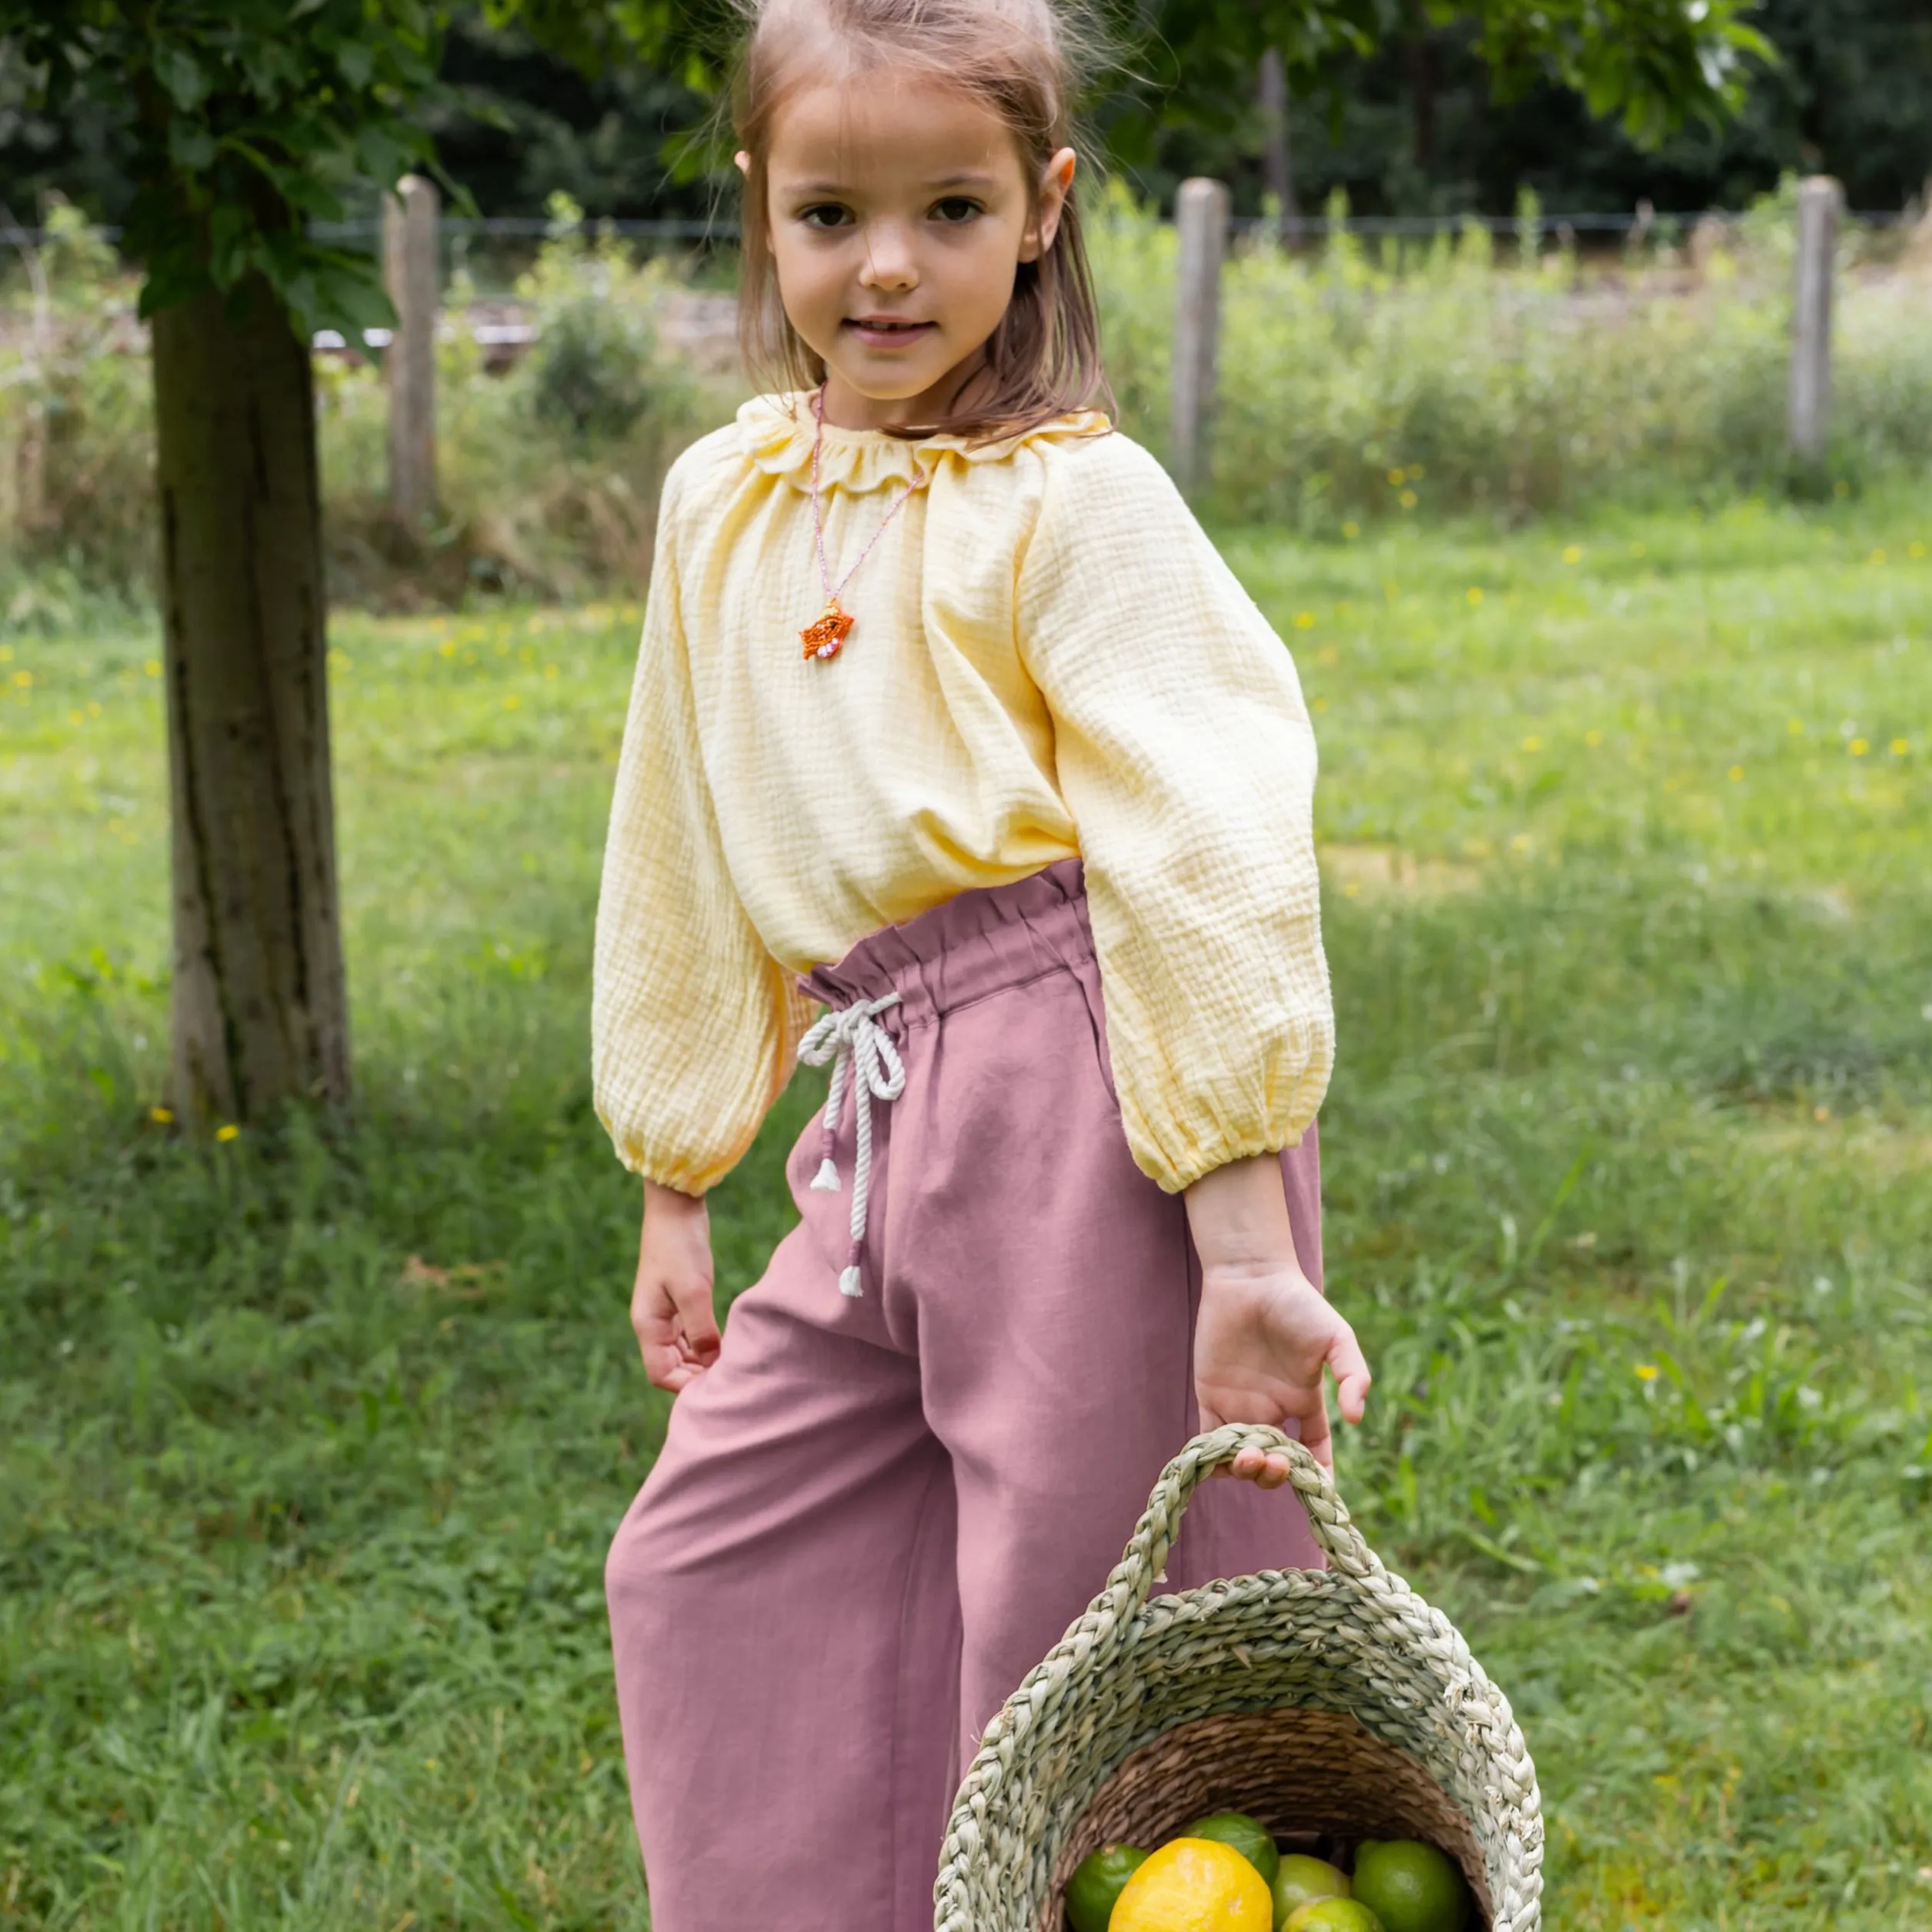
(668, 1366)
(697, 1317)
(1349, 1366)
(1315, 1437)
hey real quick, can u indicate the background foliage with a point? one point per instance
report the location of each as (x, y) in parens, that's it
(1359, 385)
(1416, 125)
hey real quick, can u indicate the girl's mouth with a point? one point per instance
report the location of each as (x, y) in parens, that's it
(886, 331)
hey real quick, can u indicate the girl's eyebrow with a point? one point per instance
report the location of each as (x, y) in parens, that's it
(967, 177)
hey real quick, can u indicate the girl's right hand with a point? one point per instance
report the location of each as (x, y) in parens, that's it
(671, 1310)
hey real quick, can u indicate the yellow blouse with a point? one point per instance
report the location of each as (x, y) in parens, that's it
(1049, 659)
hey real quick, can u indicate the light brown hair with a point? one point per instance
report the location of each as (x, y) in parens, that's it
(1018, 58)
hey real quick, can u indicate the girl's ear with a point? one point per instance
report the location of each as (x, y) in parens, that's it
(1056, 183)
(742, 161)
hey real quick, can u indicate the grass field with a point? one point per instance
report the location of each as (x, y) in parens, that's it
(309, 1456)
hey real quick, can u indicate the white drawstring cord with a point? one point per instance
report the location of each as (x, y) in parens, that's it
(862, 1052)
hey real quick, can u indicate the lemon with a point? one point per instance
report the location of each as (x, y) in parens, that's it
(1333, 1915)
(1194, 1885)
(1300, 1880)
(1096, 1883)
(1410, 1887)
(1248, 1835)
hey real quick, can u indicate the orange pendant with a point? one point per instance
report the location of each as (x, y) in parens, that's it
(822, 638)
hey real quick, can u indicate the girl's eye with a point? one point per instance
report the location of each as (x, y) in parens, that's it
(956, 209)
(824, 214)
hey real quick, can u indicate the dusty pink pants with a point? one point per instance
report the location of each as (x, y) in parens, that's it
(873, 1516)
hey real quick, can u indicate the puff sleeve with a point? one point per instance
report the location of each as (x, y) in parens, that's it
(1186, 756)
(693, 1023)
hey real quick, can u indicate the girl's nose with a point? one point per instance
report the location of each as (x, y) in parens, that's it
(891, 261)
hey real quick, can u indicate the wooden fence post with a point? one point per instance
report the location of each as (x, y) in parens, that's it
(1818, 200)
(409, 271)
(1201, 218)
(1277, 153)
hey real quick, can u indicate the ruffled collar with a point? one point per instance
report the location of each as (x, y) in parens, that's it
(777, 432)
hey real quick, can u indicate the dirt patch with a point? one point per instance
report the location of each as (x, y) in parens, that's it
(1877, 1151)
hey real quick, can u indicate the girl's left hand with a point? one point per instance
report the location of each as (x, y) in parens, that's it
(1265, 1337)
(1264, 1342)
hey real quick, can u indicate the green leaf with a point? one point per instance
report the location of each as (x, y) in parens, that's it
(190, 146)
(182, 76)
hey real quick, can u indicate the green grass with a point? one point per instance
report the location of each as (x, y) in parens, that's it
(312, 1452)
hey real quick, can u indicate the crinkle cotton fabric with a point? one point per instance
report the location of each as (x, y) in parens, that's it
(1050, 661)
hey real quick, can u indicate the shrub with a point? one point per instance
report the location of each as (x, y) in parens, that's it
(1350, 390)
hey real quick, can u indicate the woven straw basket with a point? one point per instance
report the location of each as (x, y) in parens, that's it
(1334, 1705)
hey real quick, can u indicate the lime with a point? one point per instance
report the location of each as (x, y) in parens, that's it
(1410, 1887)
(1095, 1884)
(1194, 1885)
(1250, 1836)
(1333, 1915)
(1301, 1880)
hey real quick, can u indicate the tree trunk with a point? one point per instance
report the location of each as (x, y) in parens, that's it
(260, 1004)
(1277, 156)
(1422, 70)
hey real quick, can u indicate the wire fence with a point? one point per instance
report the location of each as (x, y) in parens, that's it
(1548, 223)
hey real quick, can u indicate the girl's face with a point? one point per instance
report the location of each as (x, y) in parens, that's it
(898, 211)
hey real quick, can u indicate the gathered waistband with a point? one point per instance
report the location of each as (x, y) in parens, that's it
(978, 943)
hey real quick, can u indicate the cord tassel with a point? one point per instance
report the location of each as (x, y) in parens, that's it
(862, 1056)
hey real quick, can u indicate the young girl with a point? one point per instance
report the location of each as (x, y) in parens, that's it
(948, 718)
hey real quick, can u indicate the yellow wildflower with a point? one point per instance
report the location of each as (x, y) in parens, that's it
(1859, 746)
(161, 1117)
(1646, 1371)
(1475, 593)
(1899, 747)
(227, 1130)
(1735, 773)
(1572, 553)
(1408, 499)
(1304, 620)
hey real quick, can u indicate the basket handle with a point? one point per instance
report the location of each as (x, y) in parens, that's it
(1146, 1557)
